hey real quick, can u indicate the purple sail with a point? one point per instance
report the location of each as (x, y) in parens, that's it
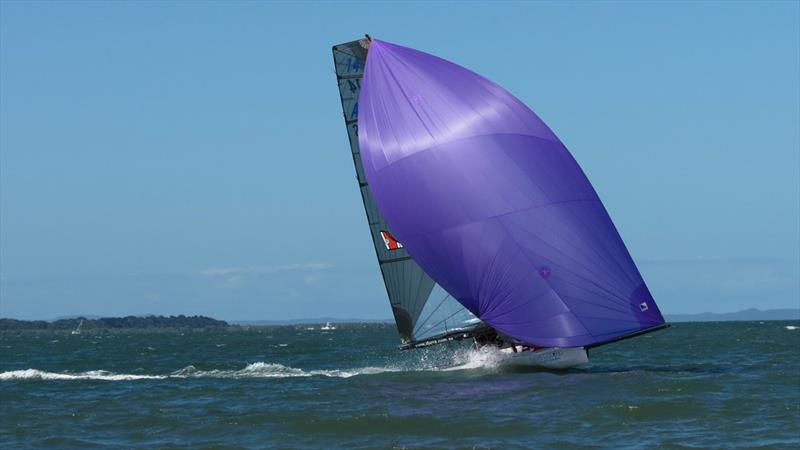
(489, 202)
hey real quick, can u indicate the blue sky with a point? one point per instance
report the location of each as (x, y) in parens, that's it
(190, 158)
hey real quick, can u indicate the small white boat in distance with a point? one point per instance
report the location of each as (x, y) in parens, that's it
(78, 329)
(327, 327)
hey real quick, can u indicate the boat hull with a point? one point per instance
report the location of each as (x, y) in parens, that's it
(549, 358)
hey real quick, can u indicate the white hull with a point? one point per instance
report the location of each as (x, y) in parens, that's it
(549, 358)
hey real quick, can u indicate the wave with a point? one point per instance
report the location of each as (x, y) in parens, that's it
(273, 370)
(427, 361)
(34, 374)
(255, 370)
(485, 358)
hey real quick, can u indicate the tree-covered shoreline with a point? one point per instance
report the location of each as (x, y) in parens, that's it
(115, 323)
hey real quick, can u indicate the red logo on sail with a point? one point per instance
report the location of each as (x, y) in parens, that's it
(390, 241)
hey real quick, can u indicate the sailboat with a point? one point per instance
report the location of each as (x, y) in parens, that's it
(77, 329)
(483, 224)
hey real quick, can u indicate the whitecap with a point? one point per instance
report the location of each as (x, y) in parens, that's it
(274, 370)
(428, 360)
(33, 374)
(254, 370)
(485, 358)
(791, 327)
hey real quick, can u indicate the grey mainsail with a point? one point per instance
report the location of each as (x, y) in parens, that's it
(423, 311)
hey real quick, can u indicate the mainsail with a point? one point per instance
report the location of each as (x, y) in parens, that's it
(423, 311)
(492, 205)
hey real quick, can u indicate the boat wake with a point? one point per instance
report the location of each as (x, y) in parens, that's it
(428, 362)
(485, 358)
(34, 374)
(273, 370)
(254, 370)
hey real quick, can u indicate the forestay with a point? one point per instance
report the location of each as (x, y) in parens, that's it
(423, 311)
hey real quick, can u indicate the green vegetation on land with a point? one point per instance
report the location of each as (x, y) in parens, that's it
(111, 323)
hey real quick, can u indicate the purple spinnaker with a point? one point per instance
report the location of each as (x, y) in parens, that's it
(492, 206)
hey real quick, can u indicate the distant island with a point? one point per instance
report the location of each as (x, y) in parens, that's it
(747, 314)
(116, 323)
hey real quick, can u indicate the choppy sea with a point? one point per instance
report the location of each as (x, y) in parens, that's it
(695, 385)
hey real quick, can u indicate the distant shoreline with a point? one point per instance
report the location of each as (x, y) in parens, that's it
(200, 323)
(744, 315)
(81, 324)
(752, 314)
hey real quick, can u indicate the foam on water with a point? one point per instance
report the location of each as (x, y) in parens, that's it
(274, 370)
(33, 374)
(484, 358)
(791, 327)
(254, 370)
(428, 361)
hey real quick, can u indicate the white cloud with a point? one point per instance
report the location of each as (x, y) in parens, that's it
(241, 271)
(698, 258)
(313, 279)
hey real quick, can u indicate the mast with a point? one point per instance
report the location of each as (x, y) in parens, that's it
(424, 313)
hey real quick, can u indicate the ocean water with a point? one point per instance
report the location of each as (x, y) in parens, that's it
(731, 385)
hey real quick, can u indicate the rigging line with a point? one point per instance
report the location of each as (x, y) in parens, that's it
(424, 286)
(389, 261)
(337, 49)
(441, 302)
(450, 316)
